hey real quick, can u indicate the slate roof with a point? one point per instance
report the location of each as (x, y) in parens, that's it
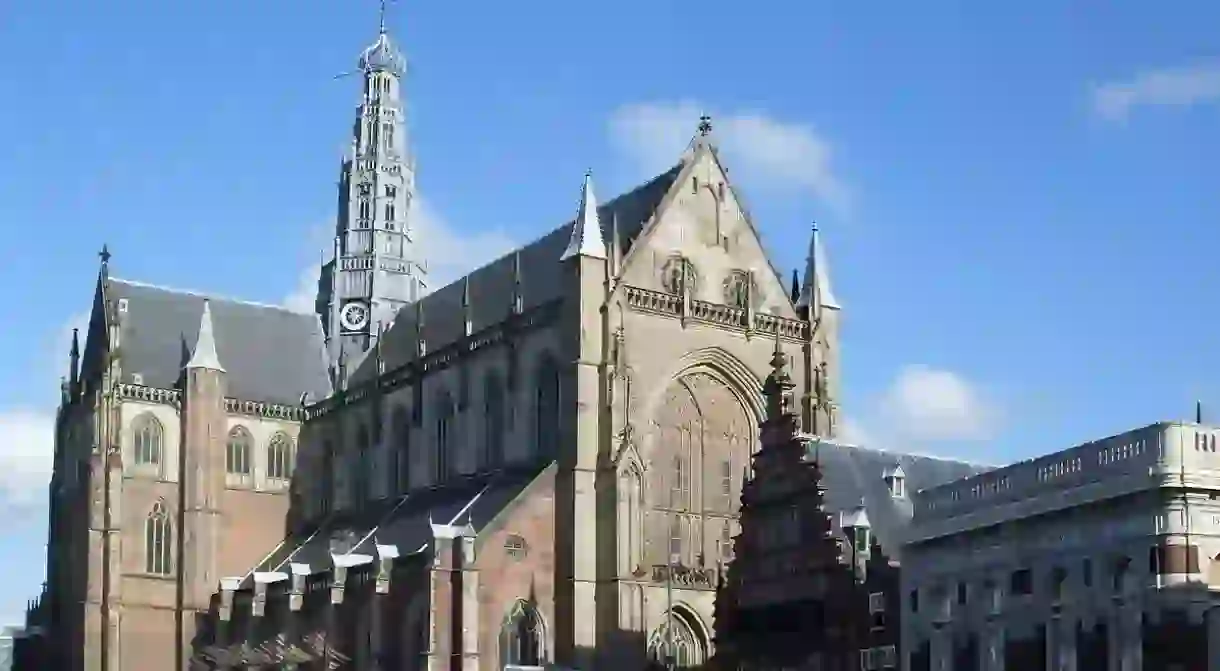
(271, 354)
(491, 287)
(851, 474)
(404, 521)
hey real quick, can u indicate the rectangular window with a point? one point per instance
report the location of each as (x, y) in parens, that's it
(391, 194)
(387, 136)
(726, 540)
(1022, 583)
(876, 602)
(962, 593)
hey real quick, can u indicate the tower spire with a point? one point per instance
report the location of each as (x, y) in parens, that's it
(815, 290)
(377, 269)
(205, 355)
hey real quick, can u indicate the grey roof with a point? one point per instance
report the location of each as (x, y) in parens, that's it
(853, 474)
(404, 521)
(271, 354)
(491, 287)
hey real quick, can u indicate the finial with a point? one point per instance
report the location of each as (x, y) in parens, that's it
(705, 126)
(381, 17)
(1198, 412)
(104, 255)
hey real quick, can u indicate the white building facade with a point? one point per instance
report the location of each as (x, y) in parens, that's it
(1100, 557)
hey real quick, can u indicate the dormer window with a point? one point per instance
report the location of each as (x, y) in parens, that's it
(896, 481)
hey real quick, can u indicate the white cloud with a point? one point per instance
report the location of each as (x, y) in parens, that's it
(1176, 87)
(777, 153)
(929, 404)
(27, 449)
(448, 252)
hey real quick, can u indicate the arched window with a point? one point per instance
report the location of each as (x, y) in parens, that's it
(149, 440)
(158, 541)
(237, 451)
(401, 472)
(546, 408)
(493, 421)
(522, 637)
(359, 467)
(280, 457)
(326, 478)
(445, 428)
(676, 639)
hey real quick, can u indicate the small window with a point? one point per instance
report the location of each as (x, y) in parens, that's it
(1021, 582)
(913, 599)
(158, 541)
(1086, 572)
(279, 457)
(675, 538)
(963, 593)
(237, 452)
(514, 546)
(387, 136)
(876, 602)
(149, 437)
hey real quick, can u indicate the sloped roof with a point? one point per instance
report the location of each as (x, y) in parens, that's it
(491, 287)
(404, 521)
(271, 354)
(853, 474)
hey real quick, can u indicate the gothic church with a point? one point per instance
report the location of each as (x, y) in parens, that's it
(540, 463)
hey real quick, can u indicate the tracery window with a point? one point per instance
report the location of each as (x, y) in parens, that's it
(445, 428)
(149, 438)
(280, 456)
(522, 637)
(493, 421)
(675, 640)
(360, 465)
(237, 451)
(402, 459)
(546, 408)
(158, 541)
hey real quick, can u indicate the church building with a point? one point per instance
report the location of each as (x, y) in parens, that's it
(541, 463)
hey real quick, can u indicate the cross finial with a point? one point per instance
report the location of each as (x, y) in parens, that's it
(705, 125)
(381, 17)
(104, 255)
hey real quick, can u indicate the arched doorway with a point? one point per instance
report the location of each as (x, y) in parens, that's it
(678, 639)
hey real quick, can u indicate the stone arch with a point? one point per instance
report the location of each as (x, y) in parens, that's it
(682, 637)
(523, 635)
(720, 363)
(702, 432)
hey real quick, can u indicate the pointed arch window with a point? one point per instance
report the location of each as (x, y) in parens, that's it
(391, 195)
(676, 641)
(445, 429)
(522, 637)
(402, 451)
(149, 440)
(360, 465)
(365, 209)
(237, 451)
(493, 421)
(326, 478)
(280, 457)
(158, 541)
(546, 408)
(387, 135)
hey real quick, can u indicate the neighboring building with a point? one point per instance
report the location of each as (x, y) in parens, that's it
(7, 637)
(809, 589)
(1101, 557)
(540, 462)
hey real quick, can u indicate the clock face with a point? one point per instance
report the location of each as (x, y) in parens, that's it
(355, 316)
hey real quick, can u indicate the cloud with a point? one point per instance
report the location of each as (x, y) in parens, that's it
(1168, 87)
(777, 153)
(448, 252)
(929, 404)
(27, 452)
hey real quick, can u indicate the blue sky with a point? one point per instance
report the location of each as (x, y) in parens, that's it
(1017, 199)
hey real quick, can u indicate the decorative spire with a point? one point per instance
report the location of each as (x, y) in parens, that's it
(421, 344)
(518, 297)
(815, 291)
(204, 355)
(466, 311)
(74, 361)
(616, 249)
(778, 387)
(795, 291)
(587, 237)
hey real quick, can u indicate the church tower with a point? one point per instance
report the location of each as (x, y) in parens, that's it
(375, 269)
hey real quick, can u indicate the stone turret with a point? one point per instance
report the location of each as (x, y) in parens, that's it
(201, 476)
